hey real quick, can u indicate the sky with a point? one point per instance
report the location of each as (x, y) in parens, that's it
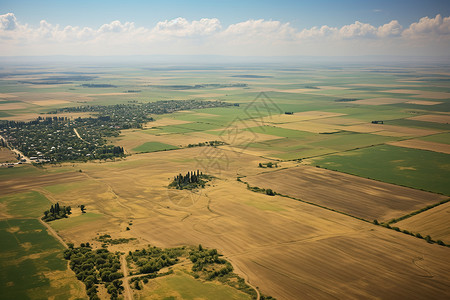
(233, 28)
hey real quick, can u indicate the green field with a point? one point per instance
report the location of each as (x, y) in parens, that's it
(414, 168)
(281, 132)
(7, 173)
(26, 205)
(191, 289)
(75, 221)
(64, 187)
(443, 138)
(32, 266)
(154, 146)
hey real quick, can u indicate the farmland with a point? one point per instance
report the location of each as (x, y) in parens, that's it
(357, 144)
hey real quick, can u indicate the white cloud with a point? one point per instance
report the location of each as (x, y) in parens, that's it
(252, 29)
(181, 27)
(390, 29)
(8, 22)
(436, 26)
(206, 36)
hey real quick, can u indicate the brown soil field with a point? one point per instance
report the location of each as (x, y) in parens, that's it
(7, 155)
(433, 222)
(379, 101)
(419, 102)
(433, 118)
(423, 145)
(24, 183)
(289, 249)
(360, 197)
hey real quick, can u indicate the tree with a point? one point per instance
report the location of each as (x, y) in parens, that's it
(270, 192)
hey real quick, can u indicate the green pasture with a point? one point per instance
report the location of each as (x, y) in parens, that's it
(154, 146)
(27, 258)
(443, 138)
(414, 168)
(191, 289)
(71, 222)
(27, 204)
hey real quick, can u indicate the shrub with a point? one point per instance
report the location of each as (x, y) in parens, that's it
(270, 192)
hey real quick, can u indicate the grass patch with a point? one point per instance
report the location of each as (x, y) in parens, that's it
(26, 205)
(9, 173)
(153, 147)
(420, 169)
(419, 124)
(64, 187)
(75, 221)
(443, 138)
(281, 132)
(29, 259)
(189, 288)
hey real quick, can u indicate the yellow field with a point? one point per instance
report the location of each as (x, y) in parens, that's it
(360, 197)
(286, 247)
(301, 116)
(424, 145)
(310, 126)
(432, 118)
(433, 222)
(419, 102)
(49, 102)
(314, 241)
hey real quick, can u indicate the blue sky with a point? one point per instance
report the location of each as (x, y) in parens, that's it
(244, 28)
(298, 13)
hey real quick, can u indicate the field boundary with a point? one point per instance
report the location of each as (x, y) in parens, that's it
(414, 213)
(262, 190)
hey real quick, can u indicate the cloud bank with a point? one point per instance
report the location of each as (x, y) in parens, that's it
(427, 36)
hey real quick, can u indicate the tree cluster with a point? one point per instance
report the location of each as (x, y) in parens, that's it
(153, 259)
(268, 165)
(210, 143)
(94, 268)
(206, 261)
(191, 180)
(107, 240)
(56, 212)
